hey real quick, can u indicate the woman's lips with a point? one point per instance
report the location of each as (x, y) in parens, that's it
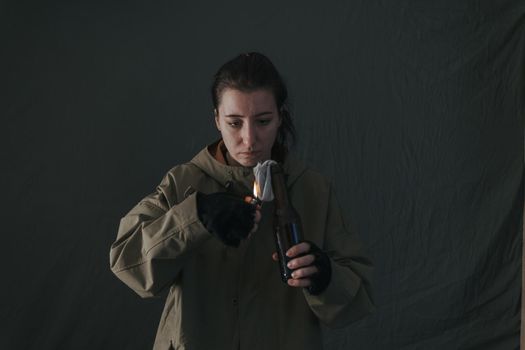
(250, 154)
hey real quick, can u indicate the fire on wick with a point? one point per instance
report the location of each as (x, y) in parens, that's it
(255, 200)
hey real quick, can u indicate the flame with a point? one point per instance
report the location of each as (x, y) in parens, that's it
(256, 189)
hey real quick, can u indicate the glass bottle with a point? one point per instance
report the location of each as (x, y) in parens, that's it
(287, 223)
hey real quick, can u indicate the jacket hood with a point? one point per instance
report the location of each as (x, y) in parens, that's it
(222, 173)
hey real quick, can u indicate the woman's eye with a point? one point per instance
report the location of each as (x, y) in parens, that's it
(264, 121)
(235, 124)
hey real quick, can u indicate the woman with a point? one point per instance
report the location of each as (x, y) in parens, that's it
(196, 237)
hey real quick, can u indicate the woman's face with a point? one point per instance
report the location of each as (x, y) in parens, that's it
(248, 122)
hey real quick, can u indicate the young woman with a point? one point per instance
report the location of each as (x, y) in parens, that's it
(196, 237)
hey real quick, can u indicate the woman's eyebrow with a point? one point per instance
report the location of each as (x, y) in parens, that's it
(241, 116)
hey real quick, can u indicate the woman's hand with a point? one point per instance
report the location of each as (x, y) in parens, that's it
(313, 270)
(302, 266)
(257, 217)
(227, 216)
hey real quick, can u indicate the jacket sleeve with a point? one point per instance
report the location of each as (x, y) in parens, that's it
(347, 297)
(155, 238)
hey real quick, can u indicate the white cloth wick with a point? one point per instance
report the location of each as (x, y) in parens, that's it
(263, 177)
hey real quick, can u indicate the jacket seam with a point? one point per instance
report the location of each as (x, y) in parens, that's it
(141, 262)
(181, 228)
(152, 206)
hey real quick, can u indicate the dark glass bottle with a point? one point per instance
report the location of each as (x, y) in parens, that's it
(287, 223)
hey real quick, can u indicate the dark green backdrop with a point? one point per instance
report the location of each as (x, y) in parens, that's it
(413, 108)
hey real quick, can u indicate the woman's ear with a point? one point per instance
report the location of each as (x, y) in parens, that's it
(281, 112)
(216, 119)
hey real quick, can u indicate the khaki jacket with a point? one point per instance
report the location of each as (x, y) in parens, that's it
(222, 297)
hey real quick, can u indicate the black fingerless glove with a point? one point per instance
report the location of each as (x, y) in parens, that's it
(321, 279)
(226, 216)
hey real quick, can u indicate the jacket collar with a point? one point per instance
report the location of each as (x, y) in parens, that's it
(223, 173)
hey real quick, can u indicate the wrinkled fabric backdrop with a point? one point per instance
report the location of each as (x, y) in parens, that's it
(413, 108)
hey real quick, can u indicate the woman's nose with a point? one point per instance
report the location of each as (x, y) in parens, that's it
(249, 136)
